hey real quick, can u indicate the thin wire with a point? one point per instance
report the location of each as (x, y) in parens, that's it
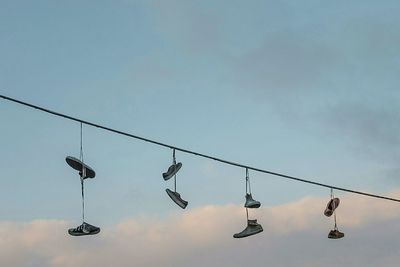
(197, 153)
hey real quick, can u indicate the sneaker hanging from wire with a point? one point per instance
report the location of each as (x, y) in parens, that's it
(250, 202)
(335, 234)
(331, 206)
(172, 171)
(78, 165)
(176, 197)
(84, 229)
(252, 228)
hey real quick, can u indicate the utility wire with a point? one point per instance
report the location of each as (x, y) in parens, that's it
(197, 153)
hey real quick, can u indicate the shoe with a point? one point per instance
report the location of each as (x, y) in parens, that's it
(84, 229)
(177, 198)
(172, 170)
(331, 206)
(252, 228)
(79, 166)
(335, 234)
(251, 203)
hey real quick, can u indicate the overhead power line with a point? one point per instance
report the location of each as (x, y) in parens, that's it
(197, 153)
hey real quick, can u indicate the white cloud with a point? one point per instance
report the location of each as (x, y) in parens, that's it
(294, 235)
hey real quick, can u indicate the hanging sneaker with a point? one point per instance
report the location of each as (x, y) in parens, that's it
(331, 206)
(335, 234)
(251, 203)
(84, 229)
(79, 166)
(177, 198)
(172, 170)
(252, 228)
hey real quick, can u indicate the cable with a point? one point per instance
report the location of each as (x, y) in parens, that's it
(197, 153)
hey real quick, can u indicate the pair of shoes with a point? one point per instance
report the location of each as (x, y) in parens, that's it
(172, 170)
(252, 228)
(81, 167)
(335, 234)
(331, 206)
(84, 229)
(251, 203)
(176, 197)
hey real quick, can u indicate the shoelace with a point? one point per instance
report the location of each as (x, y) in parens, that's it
(80, 228)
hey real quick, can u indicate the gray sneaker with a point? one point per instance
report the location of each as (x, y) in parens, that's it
(172, 170)
(84, 229)
(331, 206)
(252, 228)
(177, 198)
(335, 234)
(251, 203)
(78, 165)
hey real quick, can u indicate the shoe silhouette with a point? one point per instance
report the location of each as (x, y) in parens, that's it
(84, 229)
(78, 165)
(252, 228)
(335, 234)
(251, 203)
(331, 206)
(177, 198)
(172, 170)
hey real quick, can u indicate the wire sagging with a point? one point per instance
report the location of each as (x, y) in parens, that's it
(197, 153)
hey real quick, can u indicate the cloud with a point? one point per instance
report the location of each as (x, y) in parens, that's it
(371, 126)
(294, 235)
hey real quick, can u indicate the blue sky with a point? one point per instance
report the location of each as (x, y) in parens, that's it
(307, 88)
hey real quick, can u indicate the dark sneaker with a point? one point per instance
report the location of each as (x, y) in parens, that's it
(172, 170)
(331, 206)
(79, 166)
(252, 228)
(251, 203)
(335, 234)
(177, 198)
(84, 229)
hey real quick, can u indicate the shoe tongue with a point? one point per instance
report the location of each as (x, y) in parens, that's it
(252, 221)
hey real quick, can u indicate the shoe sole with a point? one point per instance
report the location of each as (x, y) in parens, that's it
(82, 234)
(254, 206)
(246, 235)
(76, 164)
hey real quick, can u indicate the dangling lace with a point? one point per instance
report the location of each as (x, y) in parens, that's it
(248, 187)
(334, 209)
(248, 190)
(174, 164)
(83, 174)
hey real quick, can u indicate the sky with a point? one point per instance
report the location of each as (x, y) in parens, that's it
(306, 88)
